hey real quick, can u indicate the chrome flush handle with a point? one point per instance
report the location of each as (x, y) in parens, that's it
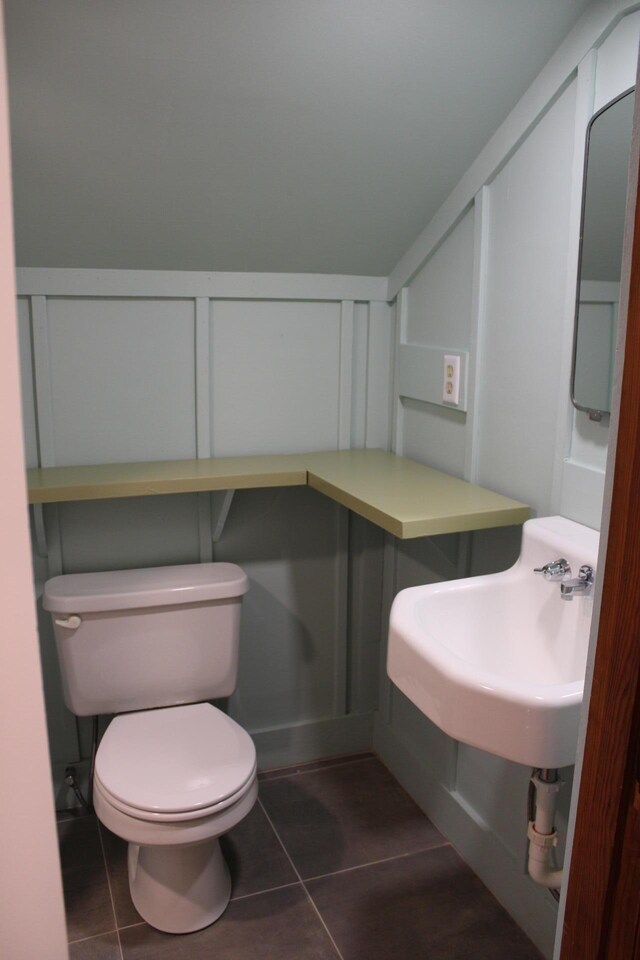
(71, 623)
(555, 569)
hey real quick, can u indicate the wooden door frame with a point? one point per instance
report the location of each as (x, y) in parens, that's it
(602, 916)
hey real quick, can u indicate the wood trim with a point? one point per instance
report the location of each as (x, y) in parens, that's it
(189, 284)
(603, 898)
(479, 280)
(345, 374)
(585, 97)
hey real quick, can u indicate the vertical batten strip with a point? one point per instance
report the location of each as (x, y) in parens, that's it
(389, 562)
(360, 376)
(397, 417)
(203, 419)
(45, 427)
(42, 375)
(481, 240)
(389, 590)
(203, 378)
(379, 376)
(369, 367)
(342, 650)
(345, 374)
(585, 95)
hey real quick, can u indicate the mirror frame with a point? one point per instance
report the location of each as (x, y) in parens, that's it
(594, 414)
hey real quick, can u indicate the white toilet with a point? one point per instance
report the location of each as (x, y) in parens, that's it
(172, 773)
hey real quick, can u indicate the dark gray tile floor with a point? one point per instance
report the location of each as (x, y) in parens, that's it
(335, 862)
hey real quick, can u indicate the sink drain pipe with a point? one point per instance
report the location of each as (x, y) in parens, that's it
(543, 838)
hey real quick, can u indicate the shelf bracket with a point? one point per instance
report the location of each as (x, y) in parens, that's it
(220, 504)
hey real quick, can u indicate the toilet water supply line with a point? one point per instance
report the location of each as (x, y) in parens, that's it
(543, 837)
(70, 773)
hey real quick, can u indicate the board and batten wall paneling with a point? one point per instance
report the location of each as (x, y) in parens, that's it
(275, 375)
(508, 300)
(439, 308)
(523, 336)
(581, 481)
(291, 543)
(438, 315)
(27, 383)
(519, 431)
(122, 379)
(116, 377)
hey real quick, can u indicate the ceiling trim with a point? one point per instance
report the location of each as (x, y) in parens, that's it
(79, 282)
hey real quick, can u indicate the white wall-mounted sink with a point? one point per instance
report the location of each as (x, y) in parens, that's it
(499, 661)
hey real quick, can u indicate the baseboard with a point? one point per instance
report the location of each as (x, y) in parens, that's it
(314, 740)
(533, 908)
(278, 747)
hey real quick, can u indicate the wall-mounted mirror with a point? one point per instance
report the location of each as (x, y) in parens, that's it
(603, 209)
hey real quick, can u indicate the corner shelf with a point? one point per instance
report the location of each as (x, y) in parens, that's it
(403, 497)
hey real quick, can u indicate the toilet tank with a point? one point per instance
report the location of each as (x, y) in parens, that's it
(135, 639)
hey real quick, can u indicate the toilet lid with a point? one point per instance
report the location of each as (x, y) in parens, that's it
(176, 759)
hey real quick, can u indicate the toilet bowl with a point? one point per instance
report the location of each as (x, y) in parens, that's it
(172, 772)
(171, 782)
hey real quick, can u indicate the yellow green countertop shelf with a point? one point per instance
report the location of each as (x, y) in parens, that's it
(108, 481)
(403, 497)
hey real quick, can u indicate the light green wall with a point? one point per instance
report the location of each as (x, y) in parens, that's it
(499, 286)
(122, 378)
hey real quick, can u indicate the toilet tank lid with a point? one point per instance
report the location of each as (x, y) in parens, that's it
(149, 587)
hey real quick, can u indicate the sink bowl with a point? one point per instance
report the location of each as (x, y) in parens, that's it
(499, 661)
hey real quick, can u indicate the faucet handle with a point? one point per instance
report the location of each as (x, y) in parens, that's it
(555, 569)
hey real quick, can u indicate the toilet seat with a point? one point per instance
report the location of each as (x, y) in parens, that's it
(183, 816)
(175, 763)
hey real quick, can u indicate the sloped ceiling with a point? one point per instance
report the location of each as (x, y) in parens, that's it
(260, 135)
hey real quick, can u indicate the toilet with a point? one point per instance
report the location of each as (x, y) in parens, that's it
(172, 772)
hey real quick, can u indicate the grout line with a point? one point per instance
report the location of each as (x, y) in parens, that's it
(94, 936)
(297, 873)
(373, 863)
(113, 905)
(321, 919)
(300, 773)
(139, 923)
(258, 893)
(278, 838)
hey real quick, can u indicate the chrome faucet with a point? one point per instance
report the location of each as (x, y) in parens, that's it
(560, 570)
(580, 584)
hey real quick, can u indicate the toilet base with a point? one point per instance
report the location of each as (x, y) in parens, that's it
(179, 889)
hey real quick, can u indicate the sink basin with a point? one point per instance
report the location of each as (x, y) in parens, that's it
(498, 661)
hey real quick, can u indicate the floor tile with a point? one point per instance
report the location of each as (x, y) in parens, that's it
(84, 877)
(115, 851)
(312, 765)
(253, 853)
(255, 856)
(279, 925)
(425, 906)
(343, 816)
(105, 947)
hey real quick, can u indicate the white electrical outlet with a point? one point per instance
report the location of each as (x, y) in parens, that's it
(451, 382)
